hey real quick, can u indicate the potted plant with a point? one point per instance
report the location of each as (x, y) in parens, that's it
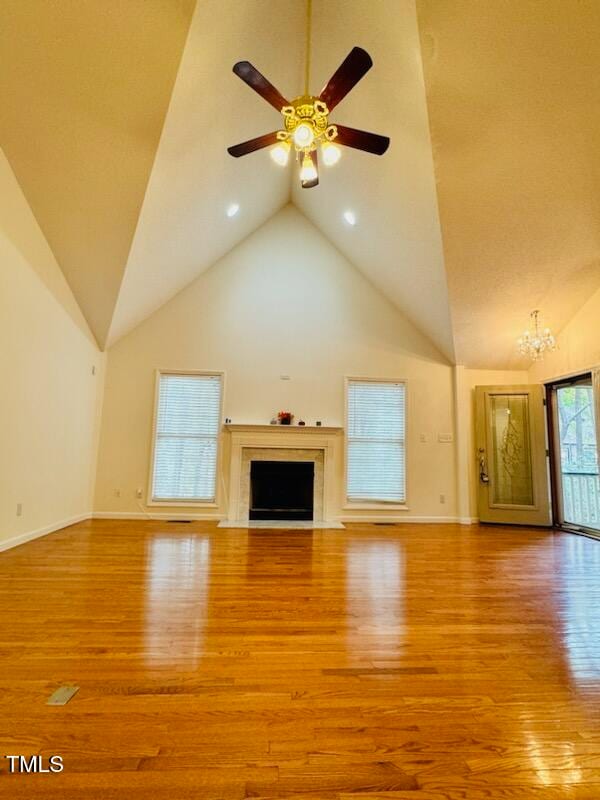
(285, 417)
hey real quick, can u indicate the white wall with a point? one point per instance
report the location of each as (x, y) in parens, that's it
(49, 400)
(285, 301)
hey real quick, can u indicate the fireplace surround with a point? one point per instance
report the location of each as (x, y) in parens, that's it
(274, 443)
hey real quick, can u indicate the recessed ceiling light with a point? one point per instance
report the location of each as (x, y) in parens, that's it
(233, 210)
(350, 217)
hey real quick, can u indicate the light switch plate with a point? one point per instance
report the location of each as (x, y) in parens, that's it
(445, 437)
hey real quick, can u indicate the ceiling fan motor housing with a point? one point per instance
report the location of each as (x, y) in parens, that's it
(311, 111)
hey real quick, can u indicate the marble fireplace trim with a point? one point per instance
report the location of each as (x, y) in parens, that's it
(250, 454)
(277, 445)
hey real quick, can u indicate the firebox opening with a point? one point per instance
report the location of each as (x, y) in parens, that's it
(282, 489)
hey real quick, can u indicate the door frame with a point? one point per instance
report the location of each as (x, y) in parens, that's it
(556, 493)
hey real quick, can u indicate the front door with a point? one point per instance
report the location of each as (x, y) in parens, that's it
(511, 455)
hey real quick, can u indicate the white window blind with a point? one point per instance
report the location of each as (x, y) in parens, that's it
(376, 419)
(188, 415)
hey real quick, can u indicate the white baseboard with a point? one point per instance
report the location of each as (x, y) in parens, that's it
(403, 518)
(152, 515)
(217, 517)
(22, 538)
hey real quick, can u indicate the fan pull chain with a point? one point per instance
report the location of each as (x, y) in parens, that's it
(307, 69)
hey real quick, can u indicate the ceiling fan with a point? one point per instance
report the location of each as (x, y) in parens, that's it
(306, 119)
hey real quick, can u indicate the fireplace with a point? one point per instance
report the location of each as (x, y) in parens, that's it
(320, 447)
(282, 490)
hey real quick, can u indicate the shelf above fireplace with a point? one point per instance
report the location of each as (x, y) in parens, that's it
(249, 428)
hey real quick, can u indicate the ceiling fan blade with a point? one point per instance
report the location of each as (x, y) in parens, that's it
(356, 64)
(258, 82)
(315, 181)
(362, 140)
(251, 145)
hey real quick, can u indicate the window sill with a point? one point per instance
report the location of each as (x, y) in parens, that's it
(377, 506)
(180, 504)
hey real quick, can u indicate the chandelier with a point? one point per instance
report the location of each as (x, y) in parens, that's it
(535, 342)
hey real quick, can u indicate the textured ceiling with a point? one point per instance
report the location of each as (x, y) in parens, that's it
(513, 92)
(84, 87)
(134, 210)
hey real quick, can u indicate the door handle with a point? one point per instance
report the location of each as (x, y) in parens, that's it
(483, 476)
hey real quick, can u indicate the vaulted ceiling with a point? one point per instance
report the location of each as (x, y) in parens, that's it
(116, 118)
(513, 91)
(84, 88)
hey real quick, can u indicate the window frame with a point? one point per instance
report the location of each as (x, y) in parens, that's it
(150, 491)
(375, 504)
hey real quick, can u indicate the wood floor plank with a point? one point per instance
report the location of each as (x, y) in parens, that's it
(413, 662)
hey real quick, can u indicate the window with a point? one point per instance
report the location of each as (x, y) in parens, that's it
(376, 421)
(188, 415)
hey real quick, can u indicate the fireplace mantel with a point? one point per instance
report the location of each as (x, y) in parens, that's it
(251, 428)
(298, 442)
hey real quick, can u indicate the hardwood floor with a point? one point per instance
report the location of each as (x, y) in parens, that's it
(377, 663)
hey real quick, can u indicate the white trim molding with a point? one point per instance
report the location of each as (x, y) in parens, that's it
(29, 536)
(178, 501)
(375, 504)
(155, 515)
(396, 519)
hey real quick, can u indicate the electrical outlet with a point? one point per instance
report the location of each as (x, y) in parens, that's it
(442, 498)
(117, 493)
(19, 509)
(139, 494)
(423, 437)
(446, 438)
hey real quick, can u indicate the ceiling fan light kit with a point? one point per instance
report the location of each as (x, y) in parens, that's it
(306, 125)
